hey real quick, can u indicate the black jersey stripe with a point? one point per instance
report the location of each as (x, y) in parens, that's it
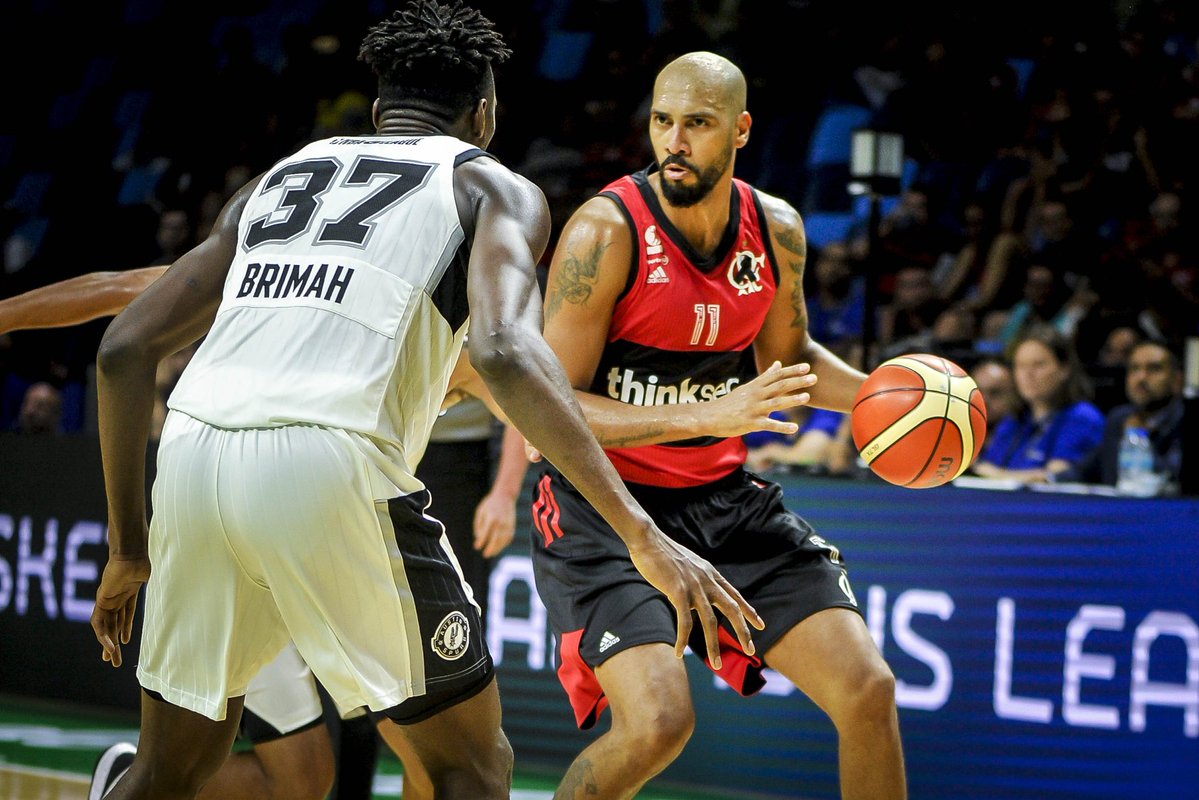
(635, 258)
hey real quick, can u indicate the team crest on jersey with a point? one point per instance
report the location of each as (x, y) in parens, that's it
(745, 272)
(452, 637)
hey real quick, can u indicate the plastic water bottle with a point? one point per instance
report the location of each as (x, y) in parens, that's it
(1135, 474)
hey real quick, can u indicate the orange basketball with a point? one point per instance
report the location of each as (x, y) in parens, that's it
(919, 421)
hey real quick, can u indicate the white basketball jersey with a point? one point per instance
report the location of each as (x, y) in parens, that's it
(346, 303)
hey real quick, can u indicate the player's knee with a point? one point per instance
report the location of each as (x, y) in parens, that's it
(873, 701)
(487, 776)
(660, 734)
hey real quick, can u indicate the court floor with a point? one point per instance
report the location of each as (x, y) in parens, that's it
(47, 752)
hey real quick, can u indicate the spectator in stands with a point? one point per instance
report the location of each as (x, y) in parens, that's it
(836, 297)
(41, 410)
(1153, 383)
(957, 277)
(173, 236)
(994, 379)
(1044, 303)
(808, 449)
(1056, 426)
(913, 308)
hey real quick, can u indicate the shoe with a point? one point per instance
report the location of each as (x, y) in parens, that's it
(110, 766)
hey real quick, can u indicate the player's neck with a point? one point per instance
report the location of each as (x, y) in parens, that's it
(704, 223)
(415, 122)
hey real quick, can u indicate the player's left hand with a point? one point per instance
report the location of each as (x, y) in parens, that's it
(690, 583)
(116, 603)
(495, 523)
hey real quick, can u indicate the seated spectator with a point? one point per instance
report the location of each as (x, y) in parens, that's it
(41, 410)
(994, 379)
(1153, 383)
(836, 299)
(1047, 300)
(913, 308)
(808, 449)
(1056, 426)
(952, 335)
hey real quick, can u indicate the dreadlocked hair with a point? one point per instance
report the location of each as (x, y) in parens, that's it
(434, 56)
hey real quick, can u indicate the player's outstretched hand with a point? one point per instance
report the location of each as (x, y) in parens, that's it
(692, 584)
(748, 407)
(116, 603)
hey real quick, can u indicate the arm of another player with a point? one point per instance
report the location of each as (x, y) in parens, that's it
(495, 516)
(784, 336)
(587, 274)
(174, 312)
(509, 220)
(75, 300)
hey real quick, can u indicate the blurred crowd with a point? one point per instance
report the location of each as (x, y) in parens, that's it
(1047, 183)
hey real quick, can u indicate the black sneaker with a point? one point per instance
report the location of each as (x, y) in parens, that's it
(110, 766)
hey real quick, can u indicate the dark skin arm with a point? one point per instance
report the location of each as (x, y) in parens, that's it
(172, 313)
(76, 300)
(508, 220)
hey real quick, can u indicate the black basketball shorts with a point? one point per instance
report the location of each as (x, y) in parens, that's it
(599, 605)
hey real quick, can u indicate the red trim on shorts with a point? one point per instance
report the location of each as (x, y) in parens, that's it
(741, 671)
(539, 510)
(586, 695)
(547, 512)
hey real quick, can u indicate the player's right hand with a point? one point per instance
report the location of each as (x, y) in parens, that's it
(116, 603)
(692, 584)
(748, 407)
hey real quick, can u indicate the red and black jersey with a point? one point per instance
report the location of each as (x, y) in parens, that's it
(683, 327)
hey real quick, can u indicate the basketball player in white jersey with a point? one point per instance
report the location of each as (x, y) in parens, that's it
(333, 294)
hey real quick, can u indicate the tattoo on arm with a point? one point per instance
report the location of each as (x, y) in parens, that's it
(800, 320)
(798, 246)
(632, 439)
(579, 781)
(576, 278)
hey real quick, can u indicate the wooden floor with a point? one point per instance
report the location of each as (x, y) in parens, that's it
(28, 783)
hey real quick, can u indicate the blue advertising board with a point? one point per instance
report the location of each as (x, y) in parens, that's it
(1045, 645)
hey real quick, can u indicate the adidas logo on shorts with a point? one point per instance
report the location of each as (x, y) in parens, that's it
(607, 640)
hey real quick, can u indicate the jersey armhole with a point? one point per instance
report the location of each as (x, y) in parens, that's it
(471, 154)
(634, 261)
(764, 226)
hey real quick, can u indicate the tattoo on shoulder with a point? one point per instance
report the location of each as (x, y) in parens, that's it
(579, 781)
(795, 243)
(576, 278)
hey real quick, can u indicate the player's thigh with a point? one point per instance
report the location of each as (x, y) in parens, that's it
(830, 657)
(647, 688)
(439, 742)
(179, 748)
(300, 763)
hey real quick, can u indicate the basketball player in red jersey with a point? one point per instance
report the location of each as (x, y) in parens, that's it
(673, 298)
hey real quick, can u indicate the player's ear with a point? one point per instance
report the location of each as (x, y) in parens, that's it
(744, 123)
(375, 113)
(478, 119)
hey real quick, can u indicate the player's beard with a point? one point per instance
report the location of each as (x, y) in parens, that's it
(681, 195)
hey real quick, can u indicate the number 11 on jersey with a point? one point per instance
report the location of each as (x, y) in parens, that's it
(708, 315)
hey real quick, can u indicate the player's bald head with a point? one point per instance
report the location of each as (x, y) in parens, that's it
(707, 77)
